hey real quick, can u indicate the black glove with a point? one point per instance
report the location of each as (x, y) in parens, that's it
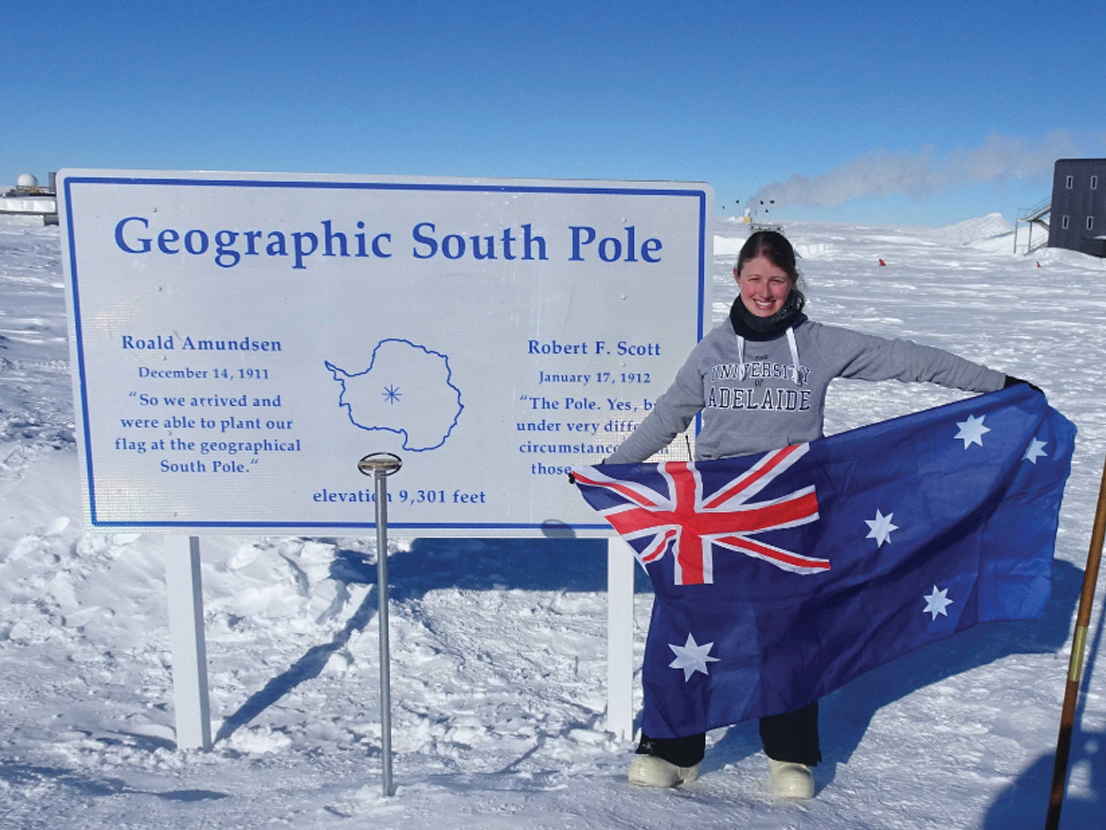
(1013, 381)
(571, 478)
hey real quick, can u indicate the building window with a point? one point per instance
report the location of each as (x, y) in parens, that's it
(1094, 182)
(1090, 223)
(1071, 182)
(1065, 222)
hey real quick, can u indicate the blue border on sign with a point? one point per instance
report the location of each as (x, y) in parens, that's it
(324, 185)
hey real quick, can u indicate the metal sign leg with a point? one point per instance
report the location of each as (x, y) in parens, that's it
(186, 642)
(620, 639)
(381, 465)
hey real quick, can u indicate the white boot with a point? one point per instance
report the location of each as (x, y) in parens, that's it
(651, 771)
(790, 780)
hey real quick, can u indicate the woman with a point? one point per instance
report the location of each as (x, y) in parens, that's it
(760, 380)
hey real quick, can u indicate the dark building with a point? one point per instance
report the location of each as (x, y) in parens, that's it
(1078, 219)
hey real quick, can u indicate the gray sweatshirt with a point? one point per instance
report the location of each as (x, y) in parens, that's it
(759, 396)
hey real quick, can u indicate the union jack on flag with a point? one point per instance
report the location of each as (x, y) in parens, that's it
(691, 519)
(933, 523)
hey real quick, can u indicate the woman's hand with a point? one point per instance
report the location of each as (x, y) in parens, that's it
(1013, 381)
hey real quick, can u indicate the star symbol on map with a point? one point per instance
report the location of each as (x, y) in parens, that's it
(392, 394)
(971, 431)
(692, 657)
(1035, 451)
(880, 528)
(936, 603)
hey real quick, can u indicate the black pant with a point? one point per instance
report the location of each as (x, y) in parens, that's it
(792, 736)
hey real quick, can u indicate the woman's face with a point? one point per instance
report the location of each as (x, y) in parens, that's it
(764, 287)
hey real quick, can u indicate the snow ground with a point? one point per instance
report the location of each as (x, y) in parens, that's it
(498, 646)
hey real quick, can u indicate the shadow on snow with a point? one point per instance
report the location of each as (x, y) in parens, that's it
(581, 566)
(846, 714)
(469, 564)
(1024, 803)
(27, 776)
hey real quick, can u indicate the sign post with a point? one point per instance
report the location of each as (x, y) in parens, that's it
(620, 639)
(186, 642)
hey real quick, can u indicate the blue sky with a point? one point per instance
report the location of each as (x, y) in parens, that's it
(897, 112)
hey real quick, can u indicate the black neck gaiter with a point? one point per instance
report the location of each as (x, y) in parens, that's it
(751, 327)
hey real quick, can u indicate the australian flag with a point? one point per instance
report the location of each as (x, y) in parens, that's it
(780, 577)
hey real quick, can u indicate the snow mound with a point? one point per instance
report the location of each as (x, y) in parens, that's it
(812, 250)
(728, 245)
(1063, 256)
(1003, 244)
(976, 230)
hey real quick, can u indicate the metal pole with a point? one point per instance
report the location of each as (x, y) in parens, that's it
(186, 642)
(381, 465)
(1075, 664)
(382, 616)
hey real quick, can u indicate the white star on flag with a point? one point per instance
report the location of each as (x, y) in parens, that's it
(880, 528)
(1035, 451)
(936, 603)
(692, 657)
(971, 431)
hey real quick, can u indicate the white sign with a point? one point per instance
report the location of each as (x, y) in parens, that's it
(240, 341)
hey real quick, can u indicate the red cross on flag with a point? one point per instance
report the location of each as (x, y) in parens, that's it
(692, 521)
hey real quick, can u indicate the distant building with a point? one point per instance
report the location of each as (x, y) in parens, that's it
(1078, 219)
(28, 201)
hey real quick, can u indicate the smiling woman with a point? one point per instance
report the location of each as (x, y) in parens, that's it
(764, 287)
(760, 382)
(767, 275)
